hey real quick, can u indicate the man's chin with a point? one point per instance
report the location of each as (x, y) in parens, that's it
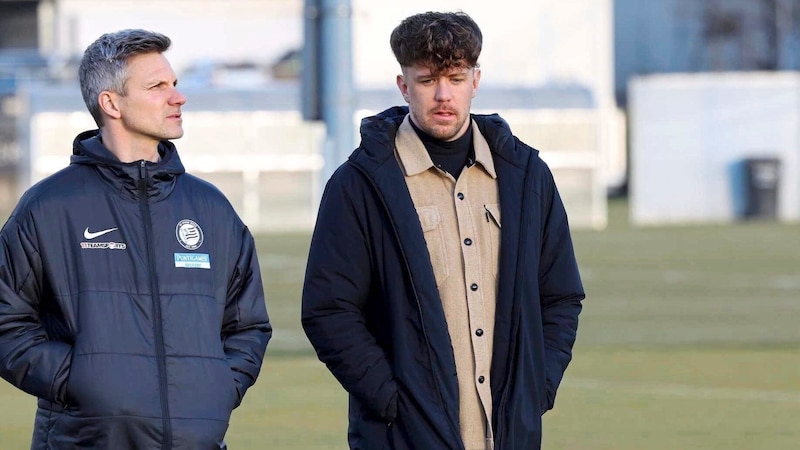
(171, 136)
(443, 133)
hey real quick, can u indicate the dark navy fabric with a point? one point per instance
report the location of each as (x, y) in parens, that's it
(372, 311)
(133, 332)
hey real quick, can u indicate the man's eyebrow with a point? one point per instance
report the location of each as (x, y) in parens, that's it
(158, 80)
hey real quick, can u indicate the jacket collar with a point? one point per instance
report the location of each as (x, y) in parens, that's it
(88, 149)
(378, 135)
(415, 159)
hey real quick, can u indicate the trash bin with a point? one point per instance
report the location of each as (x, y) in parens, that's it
(756, 183)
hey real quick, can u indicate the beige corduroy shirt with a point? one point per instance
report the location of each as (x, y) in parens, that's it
(461, 222)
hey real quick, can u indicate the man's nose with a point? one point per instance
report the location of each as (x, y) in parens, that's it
(443, 90)
(178, 98)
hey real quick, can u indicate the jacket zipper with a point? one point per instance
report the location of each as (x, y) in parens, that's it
(157, 324)
(413, 287)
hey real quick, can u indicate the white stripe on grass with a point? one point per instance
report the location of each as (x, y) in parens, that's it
(684, 390)
(781, 282)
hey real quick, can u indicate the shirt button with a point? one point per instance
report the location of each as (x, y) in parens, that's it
(468, 241)
(479, 332)
(474, 287)
(460, 196)
(481, 379)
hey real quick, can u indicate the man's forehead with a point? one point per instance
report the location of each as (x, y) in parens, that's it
(426, 70)
(150, 65)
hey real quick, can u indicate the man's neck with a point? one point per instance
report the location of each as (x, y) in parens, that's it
(450, 156)
(128, 150)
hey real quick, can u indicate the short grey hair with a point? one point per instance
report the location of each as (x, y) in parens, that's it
(104, 66)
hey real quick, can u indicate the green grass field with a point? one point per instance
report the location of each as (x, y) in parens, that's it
(688, 340)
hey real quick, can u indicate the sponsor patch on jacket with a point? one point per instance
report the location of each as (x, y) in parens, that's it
(104, 245)
(193, 260)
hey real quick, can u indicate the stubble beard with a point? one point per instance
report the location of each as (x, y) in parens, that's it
(441, 131)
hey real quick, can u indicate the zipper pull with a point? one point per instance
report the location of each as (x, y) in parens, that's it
(486, 212)
(143, 176)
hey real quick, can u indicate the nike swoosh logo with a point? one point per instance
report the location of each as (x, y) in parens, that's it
(89, 235)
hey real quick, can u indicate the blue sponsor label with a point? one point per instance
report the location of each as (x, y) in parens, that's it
(193, 260)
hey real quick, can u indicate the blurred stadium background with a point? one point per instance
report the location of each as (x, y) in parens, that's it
(671, 127)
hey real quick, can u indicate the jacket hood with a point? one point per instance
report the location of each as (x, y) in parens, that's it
(377, 138)
(88, 149)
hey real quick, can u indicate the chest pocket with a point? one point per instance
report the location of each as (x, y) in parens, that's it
(431, 222)
(493, 223)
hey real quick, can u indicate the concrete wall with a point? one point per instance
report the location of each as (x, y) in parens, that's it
(688, 132)
(268, 161)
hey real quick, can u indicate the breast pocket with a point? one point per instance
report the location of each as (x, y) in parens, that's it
(431, 222)
(493, 224)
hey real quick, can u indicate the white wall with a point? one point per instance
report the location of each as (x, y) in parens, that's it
(229, 30)
(687, 131)
(273, 188)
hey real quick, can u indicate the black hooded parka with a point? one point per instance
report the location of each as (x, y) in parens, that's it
(372, 311)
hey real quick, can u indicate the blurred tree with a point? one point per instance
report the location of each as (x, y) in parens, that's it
(747, 35)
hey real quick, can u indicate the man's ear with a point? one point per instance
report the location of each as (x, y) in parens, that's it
(476, 81)
(401, 84)
(109, 104)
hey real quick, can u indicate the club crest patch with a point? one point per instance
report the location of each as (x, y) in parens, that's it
(189, 234)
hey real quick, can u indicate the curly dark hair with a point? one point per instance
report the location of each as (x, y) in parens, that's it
(438, 40)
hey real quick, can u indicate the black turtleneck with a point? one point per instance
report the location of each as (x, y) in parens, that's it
(449, 156)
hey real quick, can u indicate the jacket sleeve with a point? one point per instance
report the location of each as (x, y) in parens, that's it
(560, 287)
(28, 359)
(335, 300)
(246, 328)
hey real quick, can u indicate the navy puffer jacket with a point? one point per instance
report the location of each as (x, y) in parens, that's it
(131, 305)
